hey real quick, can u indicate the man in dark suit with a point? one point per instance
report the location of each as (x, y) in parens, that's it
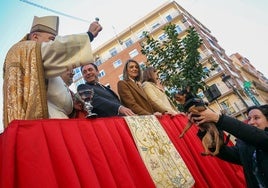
(105, 102)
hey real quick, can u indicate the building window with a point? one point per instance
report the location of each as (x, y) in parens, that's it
(219, 68)
(162, 37)
(206, 71)
(81, 81)
(113, 52)
(140, 35)
(148, 47)
(120, 77)
(155, 25)
(98, 62)
(77, 76)
(77, 73)
(133, 53)
(101, 74)
(142, 65)
(128, 42)
(77, 70)
(227, 108)
(117, 63)
(183, 20)
(168, 18)
(178, 29)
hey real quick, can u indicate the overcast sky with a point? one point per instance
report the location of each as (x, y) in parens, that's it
(239, 25)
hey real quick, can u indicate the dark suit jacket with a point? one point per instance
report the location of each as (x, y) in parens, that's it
(105, 102)
(133, 97)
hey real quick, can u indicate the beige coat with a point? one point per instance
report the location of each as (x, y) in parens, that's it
(158, 98)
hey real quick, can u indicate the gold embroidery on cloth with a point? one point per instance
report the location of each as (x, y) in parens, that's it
(24, 83)
(161, 158)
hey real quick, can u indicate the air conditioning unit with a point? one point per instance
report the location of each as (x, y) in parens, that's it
(212, 93)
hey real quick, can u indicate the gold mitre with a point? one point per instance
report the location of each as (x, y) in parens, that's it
(49, 24)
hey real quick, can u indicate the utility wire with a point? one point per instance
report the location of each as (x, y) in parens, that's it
(55, 11)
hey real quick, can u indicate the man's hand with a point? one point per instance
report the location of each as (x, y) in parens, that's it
(158, 114)
(78, 103)
(125, 111)
(95, 28)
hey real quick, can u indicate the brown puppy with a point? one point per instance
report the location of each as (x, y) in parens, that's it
(212, 139)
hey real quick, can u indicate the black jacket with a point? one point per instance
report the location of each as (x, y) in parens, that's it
(105, 102)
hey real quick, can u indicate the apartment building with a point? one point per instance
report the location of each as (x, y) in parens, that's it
(257, 81)
(111, 56)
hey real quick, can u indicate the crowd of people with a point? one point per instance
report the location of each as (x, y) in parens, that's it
(38, 71)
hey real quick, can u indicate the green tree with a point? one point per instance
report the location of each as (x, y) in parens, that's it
(177, 60)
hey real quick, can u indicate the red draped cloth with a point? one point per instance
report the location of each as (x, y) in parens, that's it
(98, 153)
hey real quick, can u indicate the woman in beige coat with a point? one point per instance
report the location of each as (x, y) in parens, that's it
(156, 93)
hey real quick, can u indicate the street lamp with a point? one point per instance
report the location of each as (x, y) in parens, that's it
(230, 84)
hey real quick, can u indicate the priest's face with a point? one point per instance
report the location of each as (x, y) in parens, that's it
(90, 74)
(42, 36)
(67, 77)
